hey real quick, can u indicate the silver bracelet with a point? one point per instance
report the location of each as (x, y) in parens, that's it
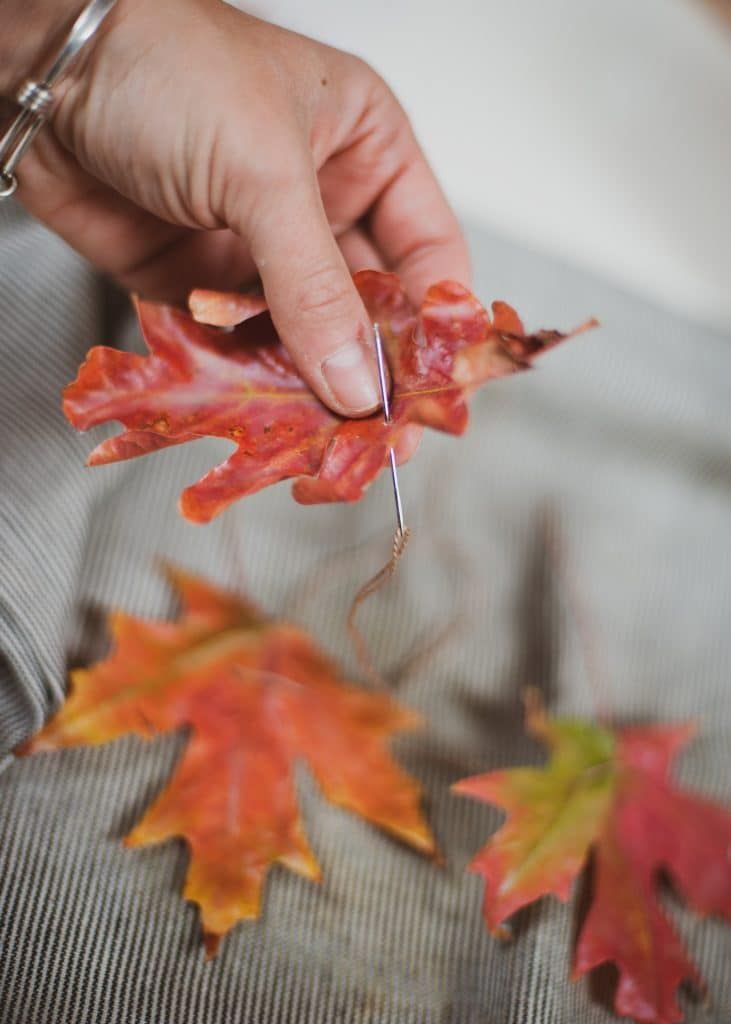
(36, 97)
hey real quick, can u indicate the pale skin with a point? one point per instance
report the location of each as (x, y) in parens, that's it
(195, 145)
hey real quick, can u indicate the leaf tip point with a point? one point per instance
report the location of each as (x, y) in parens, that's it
(501, 931)
(437, 857)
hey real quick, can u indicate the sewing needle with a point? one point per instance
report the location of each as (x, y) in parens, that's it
(387, 416)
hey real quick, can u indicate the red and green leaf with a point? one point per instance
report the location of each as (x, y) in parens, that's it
(608, 793)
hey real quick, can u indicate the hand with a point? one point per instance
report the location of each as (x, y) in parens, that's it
(196, 145)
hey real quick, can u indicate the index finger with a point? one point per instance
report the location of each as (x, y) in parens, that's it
(416, 231)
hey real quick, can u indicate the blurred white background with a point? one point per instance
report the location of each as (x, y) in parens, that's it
(599, 130)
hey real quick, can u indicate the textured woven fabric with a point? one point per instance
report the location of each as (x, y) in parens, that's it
(621, 442)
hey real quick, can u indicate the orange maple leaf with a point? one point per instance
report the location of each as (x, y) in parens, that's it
(257, 696)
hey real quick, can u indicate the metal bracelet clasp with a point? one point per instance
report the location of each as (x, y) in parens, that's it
(35, 98)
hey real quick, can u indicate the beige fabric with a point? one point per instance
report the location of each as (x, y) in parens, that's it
(621, 440)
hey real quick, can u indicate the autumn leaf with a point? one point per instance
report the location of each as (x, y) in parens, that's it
(608, 793)
(257, 696)
(241, 385)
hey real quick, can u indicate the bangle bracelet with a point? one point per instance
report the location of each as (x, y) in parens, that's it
(36, 97)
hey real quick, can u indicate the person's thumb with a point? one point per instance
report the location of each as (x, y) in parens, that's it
(313, 302)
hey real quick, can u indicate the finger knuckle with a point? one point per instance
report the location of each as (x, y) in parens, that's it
(369, 82)
(323, 294)
(363, 69)
(381, 94)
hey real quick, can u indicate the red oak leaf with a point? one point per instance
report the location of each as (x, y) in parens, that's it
(608, 793)
(242, 385)
(257, 697)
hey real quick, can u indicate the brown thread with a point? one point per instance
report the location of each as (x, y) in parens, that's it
(423, 651)
(324, 572)
(400, 540)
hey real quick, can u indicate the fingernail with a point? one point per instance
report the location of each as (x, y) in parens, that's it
(351, 377)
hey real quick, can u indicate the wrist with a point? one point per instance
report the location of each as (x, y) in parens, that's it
(30, 30)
